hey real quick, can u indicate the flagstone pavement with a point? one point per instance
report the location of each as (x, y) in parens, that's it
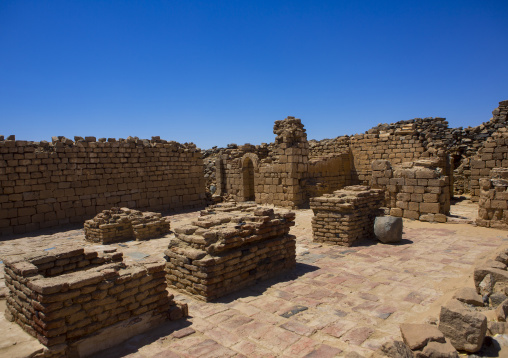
(336, 302)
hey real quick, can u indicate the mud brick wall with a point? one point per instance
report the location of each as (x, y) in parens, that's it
(493, 154)
(346, 215)
(327, 174)
(416, 190)
(493, 203)
(123, 224)
(49, 184)
(100, 291)
(230, 247)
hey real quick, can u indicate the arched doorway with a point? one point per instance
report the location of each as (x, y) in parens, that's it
(248, 180)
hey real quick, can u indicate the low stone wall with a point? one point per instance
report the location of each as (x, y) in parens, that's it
(65, 295)
(229, 247)
(493, 203)
(415, 190)
(347, 215)
(123, 224)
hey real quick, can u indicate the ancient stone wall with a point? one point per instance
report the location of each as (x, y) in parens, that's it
(49, 184)
(346, 215)
(416, 190)
(123, 224)
(493, 154)
(327, 174)
(230, 247)
(65, 295)
(493, 202)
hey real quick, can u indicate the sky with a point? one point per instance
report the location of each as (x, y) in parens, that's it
(219, 72)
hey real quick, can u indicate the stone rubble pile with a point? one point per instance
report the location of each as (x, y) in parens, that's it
(347, 215)
(68, 294)
(464, 321)
(123, 224)
(229, 247)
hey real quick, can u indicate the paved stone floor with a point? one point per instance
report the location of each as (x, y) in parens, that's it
(337, 300)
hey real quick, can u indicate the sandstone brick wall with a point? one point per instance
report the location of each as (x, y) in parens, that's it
(49, 184)
(327, 174)
(347, 215)
(493, 154)
(68, 294)
(416, 190)
(278, 172)
(123, 224)
(493, 202)
(230, 247)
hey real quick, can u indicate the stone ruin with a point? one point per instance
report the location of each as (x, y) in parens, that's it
(414, 190)
(67, 296)
(230, 246)
(123, 224)
(347, 215)
(493, 203)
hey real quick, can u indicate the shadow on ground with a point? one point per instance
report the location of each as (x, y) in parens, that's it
(133, 344)
(258, 288)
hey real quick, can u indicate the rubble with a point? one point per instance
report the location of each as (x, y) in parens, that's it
(123, 224)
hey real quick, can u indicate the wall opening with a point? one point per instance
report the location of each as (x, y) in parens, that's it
(248, 180)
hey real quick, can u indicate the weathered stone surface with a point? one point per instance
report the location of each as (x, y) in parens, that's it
(502, 311)
(439, 350)
(466, 329)
(393, 349)
(469, 295)
(496, 299)
(416, 336)
(497, 275)
(388, 229)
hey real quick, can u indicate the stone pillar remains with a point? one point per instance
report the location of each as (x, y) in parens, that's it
(414, 190)
(65, 295)
(123, 224)
(347, 215)
(229, 247)
(493, 203)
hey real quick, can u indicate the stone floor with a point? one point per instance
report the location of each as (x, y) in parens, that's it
(337, 300)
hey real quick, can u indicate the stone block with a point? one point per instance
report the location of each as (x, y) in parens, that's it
(464, 328)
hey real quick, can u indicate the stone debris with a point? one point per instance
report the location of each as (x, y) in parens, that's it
(65, 295)
(393, 349)
(229, 247)
(417, 336)
(439, 350)
(465, 328)
(123, 224)
(347, 215)
(388, 229)
(469, 295)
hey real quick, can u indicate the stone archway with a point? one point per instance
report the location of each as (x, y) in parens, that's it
(249, 166)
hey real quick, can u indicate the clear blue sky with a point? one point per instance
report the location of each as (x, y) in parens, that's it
(219, 72)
